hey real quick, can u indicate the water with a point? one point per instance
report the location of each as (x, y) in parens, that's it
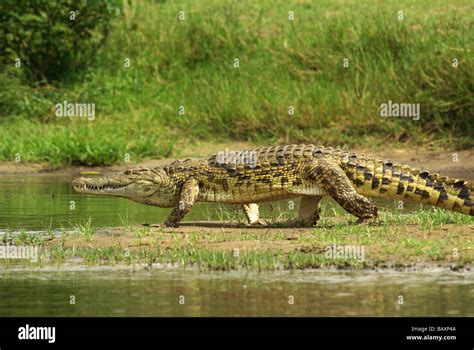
(39, 202)
(43, 201)
(108, 292)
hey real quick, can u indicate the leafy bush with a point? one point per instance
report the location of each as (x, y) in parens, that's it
(20, 100)
(53, 38)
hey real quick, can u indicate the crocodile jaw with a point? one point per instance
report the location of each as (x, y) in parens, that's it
(104, 186)
(116, 186)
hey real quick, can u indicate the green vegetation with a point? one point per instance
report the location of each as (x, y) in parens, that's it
(85, 229)
(53, 39)
(282, 63)
(22, 237)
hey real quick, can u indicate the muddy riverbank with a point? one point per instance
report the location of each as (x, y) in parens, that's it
(232, 246)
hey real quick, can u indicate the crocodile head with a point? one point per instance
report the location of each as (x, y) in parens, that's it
(149, 186)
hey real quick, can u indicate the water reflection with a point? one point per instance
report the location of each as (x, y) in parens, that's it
(285, 293)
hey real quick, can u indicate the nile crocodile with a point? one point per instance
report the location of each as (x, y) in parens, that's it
(282, 172)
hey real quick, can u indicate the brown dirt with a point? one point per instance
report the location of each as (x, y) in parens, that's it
(388, 250)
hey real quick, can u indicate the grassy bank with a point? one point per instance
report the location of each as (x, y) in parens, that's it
(282, 63)
(427, 238)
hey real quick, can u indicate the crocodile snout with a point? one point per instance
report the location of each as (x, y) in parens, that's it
(79, 181)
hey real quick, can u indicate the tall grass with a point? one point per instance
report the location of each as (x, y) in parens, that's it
(283, 63)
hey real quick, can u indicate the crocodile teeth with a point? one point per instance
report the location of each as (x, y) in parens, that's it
(100, 188)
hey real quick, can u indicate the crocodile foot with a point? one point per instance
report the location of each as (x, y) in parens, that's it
(167, 223)
(365, 221)
(257, 223)
(296, 222)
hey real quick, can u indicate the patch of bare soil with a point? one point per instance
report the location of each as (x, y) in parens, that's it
(392, 246)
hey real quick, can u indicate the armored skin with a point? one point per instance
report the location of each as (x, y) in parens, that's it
(282, 172)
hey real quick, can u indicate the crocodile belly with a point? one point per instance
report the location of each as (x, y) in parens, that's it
(244, 195)
(307, 190)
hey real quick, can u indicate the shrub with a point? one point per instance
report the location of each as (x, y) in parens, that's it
(53, 38)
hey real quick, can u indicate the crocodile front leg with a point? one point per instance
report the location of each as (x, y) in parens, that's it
(188, 196)
(332, 178)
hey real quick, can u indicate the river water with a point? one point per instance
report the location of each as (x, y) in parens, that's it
(178, 292)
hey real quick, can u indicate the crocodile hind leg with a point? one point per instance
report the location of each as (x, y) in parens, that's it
(328, 175)
(252, 213)
(310, 209)
(188, 196)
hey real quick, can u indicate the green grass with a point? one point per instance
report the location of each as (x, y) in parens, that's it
(426, 218)
(208, 259)
(22, 237)
(282, 63)
(85, 229)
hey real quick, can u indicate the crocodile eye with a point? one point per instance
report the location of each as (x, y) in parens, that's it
(147, 189)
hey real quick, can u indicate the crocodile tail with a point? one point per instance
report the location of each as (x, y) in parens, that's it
(380, 178)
